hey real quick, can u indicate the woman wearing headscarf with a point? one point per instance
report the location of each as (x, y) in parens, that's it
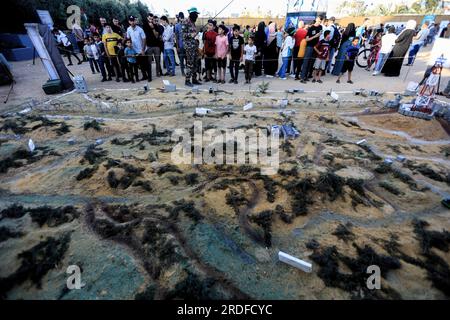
(394, 63)
(271, 52)
(260, 43)
(347, 38)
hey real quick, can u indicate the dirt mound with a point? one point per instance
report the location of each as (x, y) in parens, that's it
(416, 128)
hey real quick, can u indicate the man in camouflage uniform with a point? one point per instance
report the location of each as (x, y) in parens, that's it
(189, 32)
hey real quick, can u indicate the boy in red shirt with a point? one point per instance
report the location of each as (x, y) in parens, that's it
(322, 48)
(209, 50)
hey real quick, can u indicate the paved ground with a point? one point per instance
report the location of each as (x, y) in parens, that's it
(29, 80)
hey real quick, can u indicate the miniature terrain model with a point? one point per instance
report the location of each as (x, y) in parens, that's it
(100, 191)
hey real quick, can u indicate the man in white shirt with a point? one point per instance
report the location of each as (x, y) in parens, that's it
(168, 39)
(137, 36)
(64, 45)
(327, 25)
(387, 43)
(333, 46)
(418, 41)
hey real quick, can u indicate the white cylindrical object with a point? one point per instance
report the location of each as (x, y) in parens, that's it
(295, 262)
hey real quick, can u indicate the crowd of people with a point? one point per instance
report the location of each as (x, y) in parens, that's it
(305, 52)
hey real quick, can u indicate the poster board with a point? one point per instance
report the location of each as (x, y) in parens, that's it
(38, 43)
(440, 47)
(430, 18)
(293, 18)
(442, 25)
(45, 17)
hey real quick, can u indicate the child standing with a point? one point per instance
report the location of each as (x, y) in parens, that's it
(349, 61)
(168, 38)
(221, 53)
(102, 58)
(91, 53)
(124, 68)
(130, 53)
(236, 52)
(286, 51)
(322, 48)
(250, 52)
(209, 50)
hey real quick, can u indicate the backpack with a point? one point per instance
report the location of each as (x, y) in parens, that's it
(334, 42)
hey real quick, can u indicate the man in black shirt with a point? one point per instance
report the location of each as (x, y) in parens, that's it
(237, 52)
(312, 38)
(153, 33)
(117, 27)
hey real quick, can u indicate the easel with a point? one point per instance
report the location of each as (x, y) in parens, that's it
(430, 87)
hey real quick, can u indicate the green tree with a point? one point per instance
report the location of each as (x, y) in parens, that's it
(354, 8)
(25, 11)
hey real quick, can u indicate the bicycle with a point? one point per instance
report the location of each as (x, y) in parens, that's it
(366, 57)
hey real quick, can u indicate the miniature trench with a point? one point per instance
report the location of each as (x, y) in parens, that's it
(100, 191)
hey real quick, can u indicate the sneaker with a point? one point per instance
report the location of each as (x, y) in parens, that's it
(292, 75)
(187, 83)
(313, 81)
(283, 78)
(350, 81)
(375, 73)
(269, 76)
(319, 81)
(231, 81)
(338, 81)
